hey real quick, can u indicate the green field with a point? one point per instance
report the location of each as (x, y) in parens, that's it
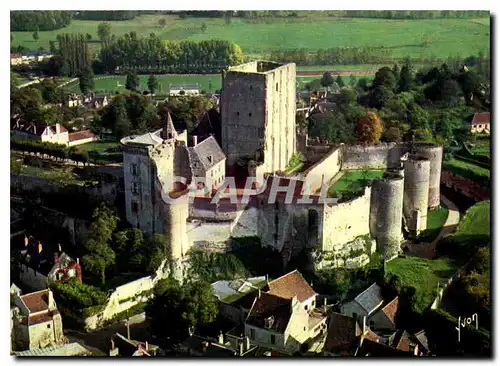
(424, 275)
(481, 147)
(100, 146)
(415, 38)
(110, 83)
(353, 181)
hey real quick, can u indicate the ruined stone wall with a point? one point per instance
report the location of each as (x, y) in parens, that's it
(380, 156)
(416, 193)
(315, 153)
(323, 171)
(343, 222)
(435, 155)
(386, 210)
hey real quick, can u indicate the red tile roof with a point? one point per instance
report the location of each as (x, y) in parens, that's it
(290, 285)
(267, 305)
(81, 135)
(36, 301)
(482, 117)
(391, 309)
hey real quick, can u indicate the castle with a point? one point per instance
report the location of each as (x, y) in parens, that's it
(285, 212)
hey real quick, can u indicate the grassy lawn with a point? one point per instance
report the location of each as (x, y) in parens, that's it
(100, 146)
(481, 147)
(414, 38)
(467, 169)
(476, 220)
(353, 181)
(424, 275)
(435, 222)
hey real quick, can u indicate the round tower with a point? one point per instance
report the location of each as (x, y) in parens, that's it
(386, 209)
(177, 212)
(416, 193)
(434, 153)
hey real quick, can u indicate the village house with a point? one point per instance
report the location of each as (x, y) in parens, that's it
(56, 134)
(183, 89)
(365, 304)
(345, 335)
(208, 162)
(39, 264)
(481, 123)
(284, 317)
(98, 101)
(37, 322)
(42, 132)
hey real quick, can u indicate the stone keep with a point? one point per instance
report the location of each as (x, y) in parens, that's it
(258, 114)
(416, 193)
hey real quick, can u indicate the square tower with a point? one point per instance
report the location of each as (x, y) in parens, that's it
(258, 114)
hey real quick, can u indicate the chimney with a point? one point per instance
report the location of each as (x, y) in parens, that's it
(51, 304)
(40, 247)
(364, 325)
(26, 241)
(147, 346)
(221, 338)
(58, 128)
(194, 140)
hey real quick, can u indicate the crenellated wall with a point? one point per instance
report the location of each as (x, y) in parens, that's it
(381, 156)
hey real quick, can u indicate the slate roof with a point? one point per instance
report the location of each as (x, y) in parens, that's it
(208, 148)
(422, 338)
(343, 334)
(230, 291)
(209, 124)
(482, 118)
(71, 349)
(267, 305)
(150, 138)
(290, 285)
(371, 298)
(37, 128)
(391, 309)
(36, 301)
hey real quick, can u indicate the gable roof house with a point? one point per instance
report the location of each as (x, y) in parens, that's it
(365, 304)
(39, 264)
(39, 131)
(385, 318)
(283, 316)
(98, 101)
(37, 322)
(481, 123)
(208, 161)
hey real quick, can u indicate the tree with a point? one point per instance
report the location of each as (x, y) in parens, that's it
(162, 22)
(87, 81)
(104, 31)
(88, 37)
(160, 251)
(393, 134)
(182, 307)
(132, 82)
(203, 27)
(36, 36)
(327, 80)
(100, 254)
(369, 129)
(26, 103)
(352, 81)
(152, 84)
(405, 82)
(11, 37)
(340, 81)
(384, 77)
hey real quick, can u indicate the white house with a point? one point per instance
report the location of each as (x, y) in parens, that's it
(183, 89)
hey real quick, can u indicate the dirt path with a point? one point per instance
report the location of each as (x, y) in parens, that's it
(428, 250)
